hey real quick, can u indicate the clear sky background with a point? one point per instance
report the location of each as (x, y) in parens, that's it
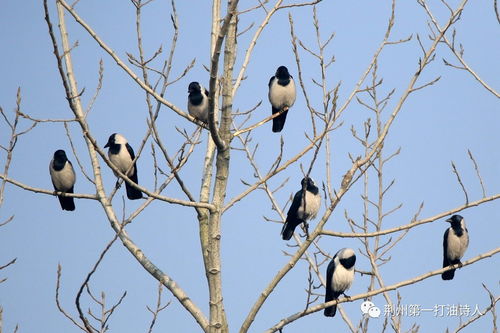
(436, 125)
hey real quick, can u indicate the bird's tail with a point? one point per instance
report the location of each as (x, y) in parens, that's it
(67, 203)
(279, 122)
(448, 275)
(331, 310)
(289, 228)
(132, 192)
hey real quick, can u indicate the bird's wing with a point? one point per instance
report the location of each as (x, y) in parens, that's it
(130, 151)
(445, 248)
(132, 156)
(74, 176)
(271, 81)
(51, 171)
(292, 212)
(467, 235)
(329, 274)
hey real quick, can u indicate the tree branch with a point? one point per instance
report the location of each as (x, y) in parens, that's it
(127, 70)
(413, 223)
(395, 286)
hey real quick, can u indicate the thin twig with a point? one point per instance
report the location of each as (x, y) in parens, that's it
(86, 282)
(454, 169)
(459, 54)
(489, 308)
(158, 309)
(59, 307)
(476, 167)
(122, 64)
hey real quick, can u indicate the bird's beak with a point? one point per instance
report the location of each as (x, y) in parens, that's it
(106, 145)
(448, 220)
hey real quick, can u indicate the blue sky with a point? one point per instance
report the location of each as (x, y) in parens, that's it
(436, 126)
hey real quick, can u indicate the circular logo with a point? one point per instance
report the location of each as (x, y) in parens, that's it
(370, 309)
(374, 312)
(365, 306)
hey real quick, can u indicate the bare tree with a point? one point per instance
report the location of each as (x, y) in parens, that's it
(175, 155)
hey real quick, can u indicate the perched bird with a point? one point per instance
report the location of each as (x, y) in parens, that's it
(121, 155)
(198, 101)
(455, 242)
(281, 95)
(302, 210)
(63, 178)
(339, 277)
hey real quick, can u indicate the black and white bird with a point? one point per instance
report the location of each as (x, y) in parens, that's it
(121, 155)
(198, 101)
(303, 208)
(455, 242)
(339, 277)
(63, 178)
(281, 95)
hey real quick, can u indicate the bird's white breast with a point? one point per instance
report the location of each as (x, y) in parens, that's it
(199, 111)
(342, 278)
(63, 179)
(122, 160)
(313, 203)
(456, 245)
(281, 96)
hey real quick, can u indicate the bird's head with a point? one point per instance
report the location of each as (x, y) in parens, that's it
(115, 139)
(282, 73)
(455, 219)
(60, 155)
(308, 182)
(347, 257)
(194, 87)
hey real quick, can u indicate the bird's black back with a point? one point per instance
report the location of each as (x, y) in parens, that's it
(292, 219)
(132, 193)
(330, 294)
(448, 275)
